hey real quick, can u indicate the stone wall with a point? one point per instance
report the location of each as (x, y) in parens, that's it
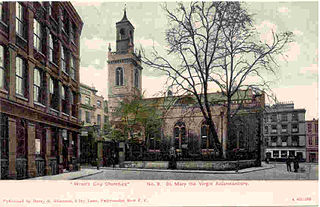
(214, 165)
(192, 165)
(146, 164)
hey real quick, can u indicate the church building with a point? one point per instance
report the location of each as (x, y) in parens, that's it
(184, 128)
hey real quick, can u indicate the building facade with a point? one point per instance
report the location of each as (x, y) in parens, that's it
(184, 127)
(93, 115)
(39, 88)
(284, 131)
(312, 140)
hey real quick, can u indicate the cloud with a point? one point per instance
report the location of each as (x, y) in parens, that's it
(297, 32)
(95, 44)
(153, 86)
(147, 42)
(265, 29)
(283, 9)
(94, 77)
(305, 96)
(86, 3)
(292, 53)
(313, 68)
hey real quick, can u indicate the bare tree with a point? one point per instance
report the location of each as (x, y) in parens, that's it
(245, 60)
(213, 45)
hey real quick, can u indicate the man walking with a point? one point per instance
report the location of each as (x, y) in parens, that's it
(288, 162)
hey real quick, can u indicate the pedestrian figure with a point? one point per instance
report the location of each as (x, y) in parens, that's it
(288, 162)
(114, 160)
(172, 163)
(98, 164)
(296, 164)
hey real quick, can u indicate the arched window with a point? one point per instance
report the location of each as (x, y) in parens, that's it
(136, 78)
(205, 131)
(180, 139)
(119, 76)
(122, 34)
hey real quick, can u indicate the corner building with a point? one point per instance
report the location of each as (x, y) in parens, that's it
(39, 88)
(284, 131)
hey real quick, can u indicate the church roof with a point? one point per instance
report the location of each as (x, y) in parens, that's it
(124, 18)
(214, 98)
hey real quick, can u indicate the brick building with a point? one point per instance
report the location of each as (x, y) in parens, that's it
(39, 88)
(312, 140)
(284, 131)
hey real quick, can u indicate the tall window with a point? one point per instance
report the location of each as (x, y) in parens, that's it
(20, 76)
(284, 117)
(72, 33)
(295, 116)
(51, 50)
(274, 141)
(136, 78)
(284, 140)
(180, 135)
(20, 22)
(119, 76)
(99, 119)
(72, 68)
(64, 22)
(80, 118)
(295, 128)
(53, 96)
(1, 12)
(37, 90)
(310, 140)
(2, 67)
(88, 118)
(63, 60)
(50, 8)
(295, 141)
(37, 36)
(309, 128)
(64, 103)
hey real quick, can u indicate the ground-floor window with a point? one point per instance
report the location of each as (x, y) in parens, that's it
(275, 153)
(283, 153)
(180, 135)
(291, 153)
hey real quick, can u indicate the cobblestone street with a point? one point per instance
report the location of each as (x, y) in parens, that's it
(278, 172)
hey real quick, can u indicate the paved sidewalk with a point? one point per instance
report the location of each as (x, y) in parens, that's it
(246, 170)
(70, 175)
(88, 171)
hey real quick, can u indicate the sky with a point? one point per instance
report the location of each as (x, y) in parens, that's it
(297, 77)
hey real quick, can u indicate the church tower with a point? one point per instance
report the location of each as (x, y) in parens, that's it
(124, 67)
